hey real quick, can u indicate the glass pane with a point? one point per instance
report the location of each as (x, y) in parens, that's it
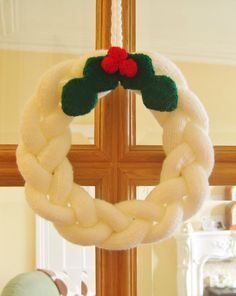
(214, 270)
(77, 264)
(34, 36)
(40, 246)
(17, 232)
(157, 263)
(148, 130)
(206, 58)
(82, 129)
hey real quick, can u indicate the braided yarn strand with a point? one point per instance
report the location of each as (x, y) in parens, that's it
(52, 193)
(116, 23)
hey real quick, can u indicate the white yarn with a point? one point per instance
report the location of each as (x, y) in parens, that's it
(116, 23)
(51, 192)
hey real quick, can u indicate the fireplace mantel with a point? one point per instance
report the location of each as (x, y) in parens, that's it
(194, 249)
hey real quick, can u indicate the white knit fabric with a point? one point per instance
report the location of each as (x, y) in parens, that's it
(52, 193)
(116, 23)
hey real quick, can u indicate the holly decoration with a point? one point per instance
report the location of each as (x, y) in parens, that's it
(104, 73)
(117, 60)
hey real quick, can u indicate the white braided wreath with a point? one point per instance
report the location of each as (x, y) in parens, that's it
(52, 194)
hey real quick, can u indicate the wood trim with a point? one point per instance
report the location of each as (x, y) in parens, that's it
(121, 265)
(225, 154)
(9, 173)
(103, 22)
(129, 24)
(224, 172)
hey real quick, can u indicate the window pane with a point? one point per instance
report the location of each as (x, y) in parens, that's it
(148, 130)
(207, 59)
(17, 228)
(82, 129)
(76, 262)
(157, 262)
(147, 260)
(34, 36)
(17, 232)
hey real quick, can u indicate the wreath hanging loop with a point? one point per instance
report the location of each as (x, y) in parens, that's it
(72, 88)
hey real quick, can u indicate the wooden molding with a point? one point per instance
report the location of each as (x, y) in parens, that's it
(116, 271)
(145, 163)
(103, 22)
(230, 216)
(9, 173)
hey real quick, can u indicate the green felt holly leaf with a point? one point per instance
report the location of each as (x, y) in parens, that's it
(97, 77)
(144, 74)
(160, 94)
(78, 98)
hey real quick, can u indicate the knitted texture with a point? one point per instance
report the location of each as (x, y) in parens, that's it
(117, 60)
(144, 74)
(78, 97)
(116, 23)
(160, 93)
(133, 71)
(52, 193)
(99, 80)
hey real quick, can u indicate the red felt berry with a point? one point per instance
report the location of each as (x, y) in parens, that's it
(117, 53)
(109, 65)
(128, 68)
